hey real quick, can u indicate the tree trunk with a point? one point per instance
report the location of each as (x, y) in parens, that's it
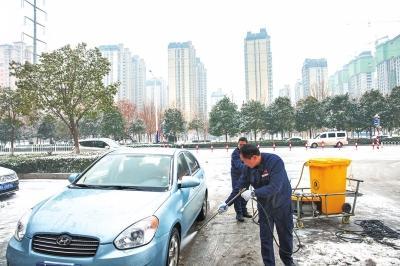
(226, 137)
(255, 135)
(75, 135)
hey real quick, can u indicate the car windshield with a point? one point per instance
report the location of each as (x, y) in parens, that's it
(123, 171)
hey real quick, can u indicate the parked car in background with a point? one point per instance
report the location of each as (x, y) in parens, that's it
(329, 138)
(9, 181)
(97, 144)
(294, 139)
(131, 207)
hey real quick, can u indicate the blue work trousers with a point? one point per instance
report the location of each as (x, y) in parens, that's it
(282, 218)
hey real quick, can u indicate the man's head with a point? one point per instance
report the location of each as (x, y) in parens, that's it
(250, 155)
(242, 141)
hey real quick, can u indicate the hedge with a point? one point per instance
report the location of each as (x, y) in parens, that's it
(23, 164)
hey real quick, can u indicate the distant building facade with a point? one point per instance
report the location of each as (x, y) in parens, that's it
(361, 74)
(315, 78)
(120, 70)
(156, 93)
(18, 52)
(258, 67)
(187, 81)
(387, 58)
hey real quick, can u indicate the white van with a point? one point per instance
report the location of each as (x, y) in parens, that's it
(329, 138)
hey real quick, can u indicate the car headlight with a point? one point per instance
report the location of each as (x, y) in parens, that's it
(21, 225)
(138, 234)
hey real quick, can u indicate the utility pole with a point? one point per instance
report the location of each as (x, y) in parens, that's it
(35, 22)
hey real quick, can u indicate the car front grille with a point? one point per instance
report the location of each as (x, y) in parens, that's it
(65, 245)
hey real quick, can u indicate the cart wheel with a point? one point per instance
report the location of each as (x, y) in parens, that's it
(299, 224)
(316, 213)
(345, 219)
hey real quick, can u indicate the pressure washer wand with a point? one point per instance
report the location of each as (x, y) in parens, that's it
(228, 203)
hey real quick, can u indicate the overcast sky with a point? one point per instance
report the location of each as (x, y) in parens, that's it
(334, 29)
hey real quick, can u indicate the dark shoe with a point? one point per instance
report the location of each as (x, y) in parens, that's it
(239, 217)
(247, 215)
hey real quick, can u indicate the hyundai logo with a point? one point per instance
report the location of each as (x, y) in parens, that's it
(64, 240)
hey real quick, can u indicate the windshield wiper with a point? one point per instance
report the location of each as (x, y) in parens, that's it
(84, 186)
(124, 187)
(116, 187)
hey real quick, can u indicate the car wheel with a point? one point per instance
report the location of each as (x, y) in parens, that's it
(314, 145)
(339, 145)
(173, 248)
(204, 209)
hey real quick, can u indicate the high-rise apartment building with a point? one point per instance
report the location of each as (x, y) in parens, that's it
(315, 78)
(156, 94)
(120, 70)
(138, 76)
(201, 90)
(285, 91)
(258, 67)
(186, 80)
(298, 91)
(339, 82)
(18, 52)
(387, 59)
(360, 73)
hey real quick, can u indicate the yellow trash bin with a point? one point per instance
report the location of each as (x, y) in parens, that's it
(328, 176)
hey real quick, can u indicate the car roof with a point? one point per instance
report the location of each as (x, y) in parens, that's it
(148, 150)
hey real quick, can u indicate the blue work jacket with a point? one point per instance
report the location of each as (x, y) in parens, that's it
(269, 180)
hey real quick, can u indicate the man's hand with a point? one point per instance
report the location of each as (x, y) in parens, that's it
(248, 194)
(223, 207)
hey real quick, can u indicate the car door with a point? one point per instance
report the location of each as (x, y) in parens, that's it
(186, 196)
(198, 192)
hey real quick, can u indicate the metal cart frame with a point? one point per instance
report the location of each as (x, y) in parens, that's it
(303, 195)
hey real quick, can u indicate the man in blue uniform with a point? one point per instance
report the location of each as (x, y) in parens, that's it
(266, 173)
(237, 167)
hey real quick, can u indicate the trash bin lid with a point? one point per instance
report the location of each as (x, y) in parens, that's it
(326, 162)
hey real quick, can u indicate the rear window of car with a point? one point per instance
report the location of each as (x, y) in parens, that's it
(341, 134)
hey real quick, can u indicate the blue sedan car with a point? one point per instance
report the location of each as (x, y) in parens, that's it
(130, 207)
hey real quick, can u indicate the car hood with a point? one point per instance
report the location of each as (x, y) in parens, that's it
(6, 171)
(98, 213)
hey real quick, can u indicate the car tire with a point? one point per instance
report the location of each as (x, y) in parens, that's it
(314, 145)
(174, 245)
(339, 145)
(204, 209)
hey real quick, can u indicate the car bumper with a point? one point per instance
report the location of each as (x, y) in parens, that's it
(9, 187)
(154, 253)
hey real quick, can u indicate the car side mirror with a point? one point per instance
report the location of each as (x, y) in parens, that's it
(73, 177)
(188, 181)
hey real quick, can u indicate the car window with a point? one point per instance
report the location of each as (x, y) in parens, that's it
(100, 144)
(183, 168)
(147, 171)
(323, 136)
(341, 134)
(331, 135)
(193, 163)
(86, 143)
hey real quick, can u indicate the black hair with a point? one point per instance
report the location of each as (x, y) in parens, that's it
(248, 150)
(242, 139)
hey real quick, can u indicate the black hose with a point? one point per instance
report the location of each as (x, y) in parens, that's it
(375, 229)
(299, 245)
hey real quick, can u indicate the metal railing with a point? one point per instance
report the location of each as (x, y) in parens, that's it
(38, 148)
